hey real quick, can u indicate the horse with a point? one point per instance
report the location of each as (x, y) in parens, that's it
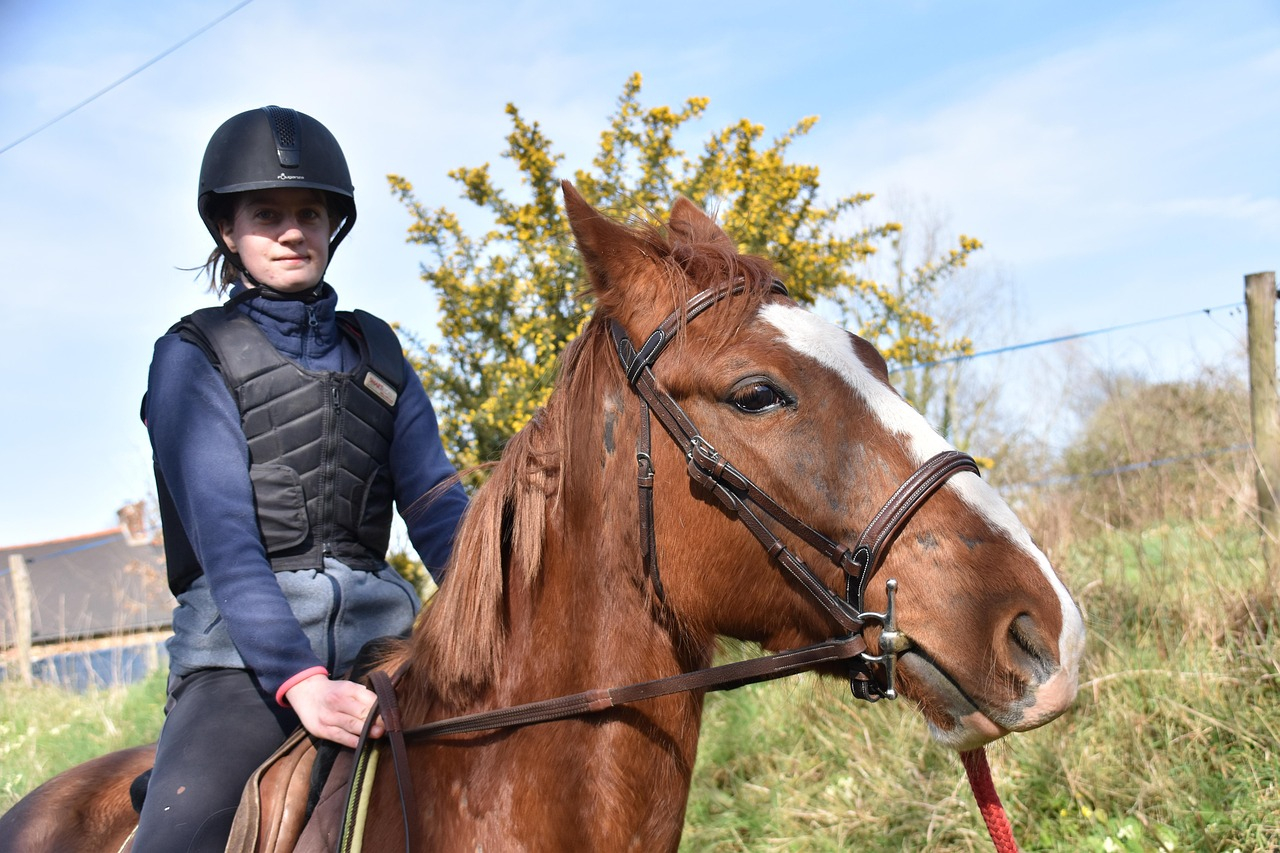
(597, 554)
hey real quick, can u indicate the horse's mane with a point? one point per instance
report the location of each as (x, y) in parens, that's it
(499, 541)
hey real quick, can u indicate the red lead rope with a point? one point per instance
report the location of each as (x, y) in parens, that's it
(984, 791)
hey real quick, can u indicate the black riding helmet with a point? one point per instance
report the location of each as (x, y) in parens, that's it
(273, 147)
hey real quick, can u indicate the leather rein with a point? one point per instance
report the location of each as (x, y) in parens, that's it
(748, 502)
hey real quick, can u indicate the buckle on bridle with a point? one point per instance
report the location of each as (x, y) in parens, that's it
(892, 643)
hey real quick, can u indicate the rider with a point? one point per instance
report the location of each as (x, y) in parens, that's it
(282, 430)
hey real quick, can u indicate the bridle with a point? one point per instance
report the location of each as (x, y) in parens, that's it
(711, 471)
(740, 496)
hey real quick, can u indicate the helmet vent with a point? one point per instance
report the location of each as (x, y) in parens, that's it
(284, 127)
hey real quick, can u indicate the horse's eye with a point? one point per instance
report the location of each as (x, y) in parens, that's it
(757, 397)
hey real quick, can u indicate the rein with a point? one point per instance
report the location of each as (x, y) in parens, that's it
(748, 502)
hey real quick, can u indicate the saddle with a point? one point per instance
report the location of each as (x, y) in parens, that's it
(273, 808)
(298, 800)
(277, 800)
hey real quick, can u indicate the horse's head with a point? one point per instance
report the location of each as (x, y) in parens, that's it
(806, 412)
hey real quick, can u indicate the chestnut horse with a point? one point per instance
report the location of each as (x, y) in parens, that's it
(549, 593)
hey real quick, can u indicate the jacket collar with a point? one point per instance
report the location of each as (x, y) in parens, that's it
(302, 328)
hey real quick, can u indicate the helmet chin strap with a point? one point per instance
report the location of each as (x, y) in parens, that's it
(309, 295)
(253, 288)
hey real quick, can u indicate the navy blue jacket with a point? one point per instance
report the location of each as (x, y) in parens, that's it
(201, 450)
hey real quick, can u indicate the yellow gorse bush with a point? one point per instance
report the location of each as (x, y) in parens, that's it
(512, 296)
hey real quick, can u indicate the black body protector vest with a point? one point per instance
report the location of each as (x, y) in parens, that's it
(319, 444)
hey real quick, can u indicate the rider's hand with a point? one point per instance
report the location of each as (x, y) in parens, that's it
(333, 710)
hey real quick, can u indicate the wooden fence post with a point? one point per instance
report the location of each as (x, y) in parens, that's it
(22, 614)
(1264, 402)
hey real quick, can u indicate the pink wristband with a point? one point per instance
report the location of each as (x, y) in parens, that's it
(302, 676)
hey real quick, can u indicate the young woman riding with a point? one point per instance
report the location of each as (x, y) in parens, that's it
(283, 431)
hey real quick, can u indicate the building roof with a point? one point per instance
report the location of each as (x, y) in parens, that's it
(97, 584)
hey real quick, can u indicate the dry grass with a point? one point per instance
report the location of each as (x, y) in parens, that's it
(1172, 743)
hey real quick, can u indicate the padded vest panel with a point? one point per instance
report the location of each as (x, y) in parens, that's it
(319, 441)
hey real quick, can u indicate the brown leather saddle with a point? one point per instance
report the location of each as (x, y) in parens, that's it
(273, 807)
(295, 801)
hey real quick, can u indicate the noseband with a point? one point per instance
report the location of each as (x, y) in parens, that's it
(748, 502)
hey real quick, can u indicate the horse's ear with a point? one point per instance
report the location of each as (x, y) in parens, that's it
(613, 252)
(689, 224)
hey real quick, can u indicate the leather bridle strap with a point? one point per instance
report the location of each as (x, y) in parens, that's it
(748, 502)
(739, 495)
(390, 711)
(705, 466)
(634, 363)
(364, 762)
(873, 544)
(727, 676)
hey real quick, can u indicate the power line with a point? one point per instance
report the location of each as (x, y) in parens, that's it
(1061, 338)
(1066, 479)
(143, 67)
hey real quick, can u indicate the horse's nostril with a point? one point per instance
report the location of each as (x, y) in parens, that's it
(1029, 650)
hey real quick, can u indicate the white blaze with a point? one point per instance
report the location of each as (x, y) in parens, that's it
(832, 347)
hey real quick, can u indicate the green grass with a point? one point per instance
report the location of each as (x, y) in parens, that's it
(1172, 744)
(45, 729)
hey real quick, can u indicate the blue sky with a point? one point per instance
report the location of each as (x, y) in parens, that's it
(1118, 160)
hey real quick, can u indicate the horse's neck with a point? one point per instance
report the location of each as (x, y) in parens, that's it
(585, 619)
(573, 631)
(586, 627)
